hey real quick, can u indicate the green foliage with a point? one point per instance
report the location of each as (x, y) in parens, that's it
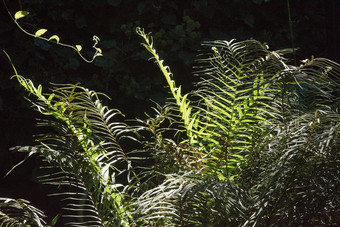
(254, 116)
(176, 91)
(255, 143)
(83, 154)
(20, 213)
(293, 172)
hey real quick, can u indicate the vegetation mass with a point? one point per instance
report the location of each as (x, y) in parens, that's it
(254, 143)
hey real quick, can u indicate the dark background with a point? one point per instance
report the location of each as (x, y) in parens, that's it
(124, 72)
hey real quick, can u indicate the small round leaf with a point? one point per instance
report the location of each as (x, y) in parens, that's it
(78, 47)
(55, 37)
(40, 32)
(20, 14)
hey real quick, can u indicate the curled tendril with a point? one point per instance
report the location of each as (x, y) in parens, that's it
(96, 40)
(77, 48)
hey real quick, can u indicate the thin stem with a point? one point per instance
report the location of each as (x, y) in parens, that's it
(95, 39)
(291, 31)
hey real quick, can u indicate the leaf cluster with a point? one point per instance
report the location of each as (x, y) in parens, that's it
(254, 144)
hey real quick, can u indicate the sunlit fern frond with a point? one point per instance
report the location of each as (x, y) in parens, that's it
(261, 146)
(247, 91)
(84, 155)
(234, 99)
(237, 98)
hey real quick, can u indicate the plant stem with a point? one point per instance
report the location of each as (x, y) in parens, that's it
(291, 31)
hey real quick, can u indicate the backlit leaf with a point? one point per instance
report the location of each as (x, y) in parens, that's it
(40, 32)
(79, 47)
(55, 37)
(20, 14)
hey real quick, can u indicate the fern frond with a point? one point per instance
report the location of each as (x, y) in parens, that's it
(298, 162)
(85, 154)
(19, 212)
(181, 100)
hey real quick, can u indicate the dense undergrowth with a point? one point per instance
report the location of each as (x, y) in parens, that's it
(255, 143)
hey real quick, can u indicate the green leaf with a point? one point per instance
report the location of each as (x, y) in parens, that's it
(55, 219)
(40, 32)
(79, 47)
(39, 91)
(20, 14)
(50, 98)
(55, 37)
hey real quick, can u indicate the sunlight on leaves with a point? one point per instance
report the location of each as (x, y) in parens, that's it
(54, 37)
(20, 14)
(79, 47)
(40, 32)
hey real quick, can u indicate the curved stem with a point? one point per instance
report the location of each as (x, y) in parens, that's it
(95, 39)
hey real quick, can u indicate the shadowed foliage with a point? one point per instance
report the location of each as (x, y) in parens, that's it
(254, 144)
